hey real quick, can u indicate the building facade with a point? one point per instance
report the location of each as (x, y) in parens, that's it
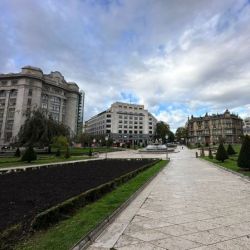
(31, 89)
(124, 123)
(210, 129)
(246, 127)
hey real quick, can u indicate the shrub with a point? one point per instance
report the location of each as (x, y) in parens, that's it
(230, 150)
(58, 152)
(67, 153)
(29, 155)
(90, 152)
(210, 155)
(17, 153)
(244, 156)
(221, 154)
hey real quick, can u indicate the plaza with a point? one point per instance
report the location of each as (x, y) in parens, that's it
(191, 204)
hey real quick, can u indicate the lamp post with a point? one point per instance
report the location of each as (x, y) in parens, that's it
(106, 139)
(94, 140)
(166, 147)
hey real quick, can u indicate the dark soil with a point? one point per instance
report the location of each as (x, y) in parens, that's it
(25, 194)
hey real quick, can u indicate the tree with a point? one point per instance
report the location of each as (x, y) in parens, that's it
(67, 153)
(29, 155)
(230, 150)
(221, 154)
(17, 153)
(38, 130)
(244, 155)
(181, 133)
(162, 129)
(60, 142)
(171, 136)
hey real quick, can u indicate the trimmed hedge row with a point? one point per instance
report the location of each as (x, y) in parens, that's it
(64, 209)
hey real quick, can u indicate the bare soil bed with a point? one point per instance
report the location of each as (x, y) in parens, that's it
(25, 194)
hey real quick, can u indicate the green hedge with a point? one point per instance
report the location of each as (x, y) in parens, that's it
(64, 209)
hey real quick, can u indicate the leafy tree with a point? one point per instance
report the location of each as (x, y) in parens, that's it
(58, 152)
(29, 155)
(180, 133)
(221, 154)
(38, 130)
(202, 152)
(171, 136)
(17, 153)
(230, 150)
(60, 142)
(162, 129)
(244, 155)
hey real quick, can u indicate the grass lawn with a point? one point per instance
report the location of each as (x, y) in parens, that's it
(42, 159)
(65, 234)
(230, 163)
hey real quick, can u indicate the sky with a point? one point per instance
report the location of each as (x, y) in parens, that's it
(178, 58)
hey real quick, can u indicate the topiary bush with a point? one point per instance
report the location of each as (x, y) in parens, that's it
(67, 153)
(244, 155)
(230, 150)
(221, 154)
(202, 152)
(29, 155)
(58, 152)
(17, 153)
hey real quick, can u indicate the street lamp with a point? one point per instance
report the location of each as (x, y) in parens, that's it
(94, 140)
(106, 139)
(166, 147)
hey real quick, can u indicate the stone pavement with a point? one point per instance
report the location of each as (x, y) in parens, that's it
(190, 205)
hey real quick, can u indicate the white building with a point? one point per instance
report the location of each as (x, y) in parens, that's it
(30, 89)
(124, 122)
(246, 126)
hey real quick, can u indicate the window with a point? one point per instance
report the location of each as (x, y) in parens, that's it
(120, 121)
(140, 132)
(29, 102)
(125, 122)
(125, 117)
(108, 126)
(108, 120)
(109, 115)
(135, 127)
(125, 126)
(130, 131)
(44, 105)
(1, 114)
(9, 124)
(12, 102)
(136, 118)
(125, 131)
(120, 126)
(150, 127)
(13, 93)
(14, 81)
(2, 93)
(11, 113)
(2, 103)
(30, 92)
(140, 118)
(131, 117)
(120, 116)
(120, 131)
(140, 127)
(130, 122)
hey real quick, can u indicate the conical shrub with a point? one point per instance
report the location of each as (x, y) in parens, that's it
(221, 154)
(17, 153)
(230, 150)
(210, 155)
(244, 156)
(29, 155)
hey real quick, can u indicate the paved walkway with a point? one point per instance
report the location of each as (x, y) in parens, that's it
(189, 205)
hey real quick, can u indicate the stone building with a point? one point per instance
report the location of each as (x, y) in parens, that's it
(210, 129)
(31, 89)
(124, 123)
(246, 127)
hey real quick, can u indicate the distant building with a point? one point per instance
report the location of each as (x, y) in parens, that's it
(124, 123)
(210, 129)
(246, 127)
(30, 89)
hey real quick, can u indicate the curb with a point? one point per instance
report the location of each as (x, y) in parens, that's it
(92, 235)
(244, 177)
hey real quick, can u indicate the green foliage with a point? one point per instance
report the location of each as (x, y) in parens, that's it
(67, 153)
(210, 154)
(221, 154)
(171, 136)
(58, 152)
(29, 155)
(244, 156)
(38, 130)
(181, 133)
(17, 153)
(230, 150)
(90, 152)
(162, 129)
(60, 142)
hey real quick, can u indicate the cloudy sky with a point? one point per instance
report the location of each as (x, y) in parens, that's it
(176, 57)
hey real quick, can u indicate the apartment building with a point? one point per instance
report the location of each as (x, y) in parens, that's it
(30, 89)
(210, 129)
(246, 126)
(124, 123)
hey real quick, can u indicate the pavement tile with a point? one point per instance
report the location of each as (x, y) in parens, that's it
(147, 235)
(205, 237)
(140, 246)
(175, 243)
